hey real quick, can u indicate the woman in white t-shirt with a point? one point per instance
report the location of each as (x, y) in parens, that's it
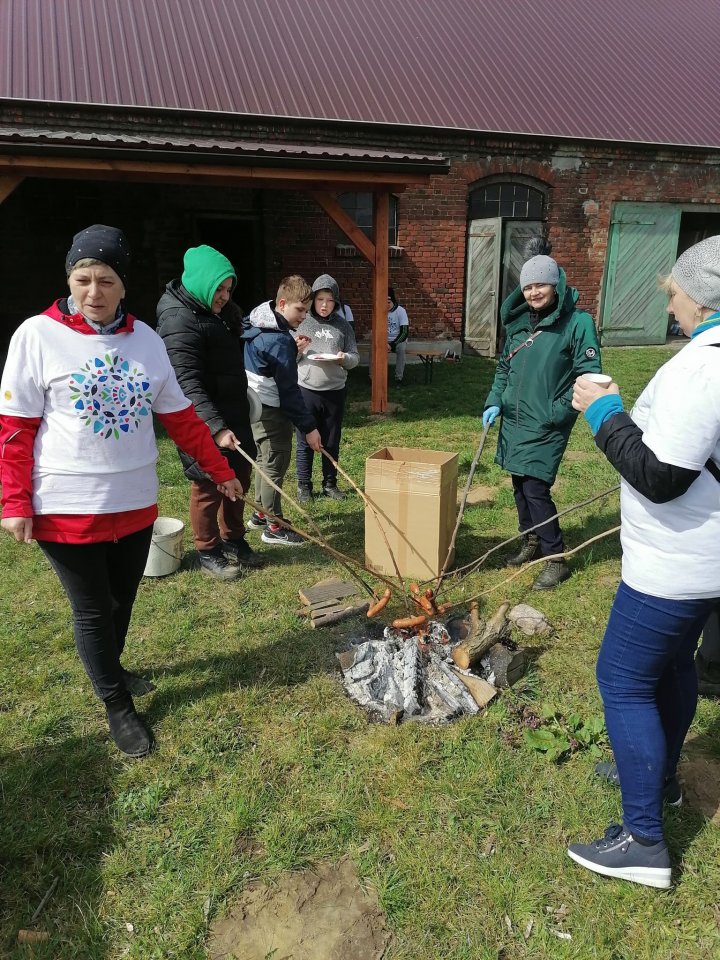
(78, 453)
(667, 451)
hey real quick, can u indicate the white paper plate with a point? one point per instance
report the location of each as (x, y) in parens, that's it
(324, 356)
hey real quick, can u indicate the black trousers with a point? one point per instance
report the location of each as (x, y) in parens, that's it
(328, 407)
(101, 581)
(534, 504)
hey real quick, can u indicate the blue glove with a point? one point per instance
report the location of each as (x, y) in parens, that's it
(490, 416)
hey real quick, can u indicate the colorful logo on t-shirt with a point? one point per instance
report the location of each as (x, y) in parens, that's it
(111, 396)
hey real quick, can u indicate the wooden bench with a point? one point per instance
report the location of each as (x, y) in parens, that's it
(418, 351)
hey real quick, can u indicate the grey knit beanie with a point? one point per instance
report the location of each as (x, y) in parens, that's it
(326, 282)
(540, 269)
(697, 272)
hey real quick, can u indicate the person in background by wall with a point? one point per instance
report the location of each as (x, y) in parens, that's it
(345, 311)
(271, 351)
(323, 384)
(398, 330)
(548, 343)
(78, 454)
(205, 349)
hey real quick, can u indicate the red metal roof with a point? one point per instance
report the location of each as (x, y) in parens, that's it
(624, 70)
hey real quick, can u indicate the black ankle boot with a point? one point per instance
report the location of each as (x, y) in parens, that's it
(126, 729)
(331, 490)
(553, 573)
(529, 550)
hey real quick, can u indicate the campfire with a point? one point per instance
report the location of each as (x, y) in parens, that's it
(438, 671)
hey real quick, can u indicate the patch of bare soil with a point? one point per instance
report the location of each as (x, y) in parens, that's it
(700, 776)
(318, 914)
(363, 406)
(578, 455)
(479, 496)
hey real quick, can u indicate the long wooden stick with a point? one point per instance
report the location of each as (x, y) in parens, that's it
(474, 564)
(371, 506)
(533, 563)
(461, 511)
(320, 541)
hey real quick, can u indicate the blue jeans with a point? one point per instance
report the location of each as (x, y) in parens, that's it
(646, 675)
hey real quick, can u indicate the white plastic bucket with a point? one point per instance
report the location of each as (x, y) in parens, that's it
(166, 547)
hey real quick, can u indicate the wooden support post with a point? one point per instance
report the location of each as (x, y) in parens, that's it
(378, 348)
(348, 226)
(8, 183)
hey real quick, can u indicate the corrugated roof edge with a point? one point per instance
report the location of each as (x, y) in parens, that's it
(340, 122)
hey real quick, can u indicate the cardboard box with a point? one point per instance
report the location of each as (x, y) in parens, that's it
(414, 493)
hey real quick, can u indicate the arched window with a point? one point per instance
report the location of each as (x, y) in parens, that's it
(509, 199)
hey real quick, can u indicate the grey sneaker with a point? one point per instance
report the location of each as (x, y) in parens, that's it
(617, 854)
(256, 522)
(331, 490)
(286, 538)
(304, 493)
(214, 564)
(672, 791)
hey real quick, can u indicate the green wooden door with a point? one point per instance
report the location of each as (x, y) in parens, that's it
(483, 280)
(643, 243)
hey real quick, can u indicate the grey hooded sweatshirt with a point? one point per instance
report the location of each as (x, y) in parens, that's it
(332, 334)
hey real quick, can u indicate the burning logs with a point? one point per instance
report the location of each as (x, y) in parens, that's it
(414, 672)
(481, 638)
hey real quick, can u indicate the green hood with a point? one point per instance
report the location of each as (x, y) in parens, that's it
(205, 270)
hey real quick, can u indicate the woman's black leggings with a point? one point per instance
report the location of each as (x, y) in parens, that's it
(101, 581)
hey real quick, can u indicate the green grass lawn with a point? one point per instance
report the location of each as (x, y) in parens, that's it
(263, 765)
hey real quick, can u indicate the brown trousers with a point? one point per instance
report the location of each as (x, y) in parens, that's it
(213, 515)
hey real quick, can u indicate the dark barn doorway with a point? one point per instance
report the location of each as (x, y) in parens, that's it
(240, 239)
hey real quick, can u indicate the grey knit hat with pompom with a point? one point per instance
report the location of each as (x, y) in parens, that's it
(540, 269)
(697, 272)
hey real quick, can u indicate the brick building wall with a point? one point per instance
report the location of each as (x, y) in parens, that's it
(293, 235)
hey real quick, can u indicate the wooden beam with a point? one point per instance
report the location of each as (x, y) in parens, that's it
(348, 226)
(8, 183)
(379, 349)
(164, 171)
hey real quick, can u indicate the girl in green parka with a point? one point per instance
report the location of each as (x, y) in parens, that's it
(549, 343)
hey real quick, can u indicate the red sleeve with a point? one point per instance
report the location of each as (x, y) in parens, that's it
(191, 434)
(17, 436)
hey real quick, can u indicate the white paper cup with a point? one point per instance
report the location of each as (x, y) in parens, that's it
(601, 379)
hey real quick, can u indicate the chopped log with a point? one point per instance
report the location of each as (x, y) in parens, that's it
(479, 641)
(480, 690)
(331, 589)
(458, 689)
(324, 619)
(507, 665)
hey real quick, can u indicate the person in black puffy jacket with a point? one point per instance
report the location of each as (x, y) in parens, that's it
(196, 320)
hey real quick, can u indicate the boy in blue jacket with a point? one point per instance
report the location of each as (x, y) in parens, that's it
(271, 351)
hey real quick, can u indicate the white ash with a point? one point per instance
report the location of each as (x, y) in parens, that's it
(405, 676)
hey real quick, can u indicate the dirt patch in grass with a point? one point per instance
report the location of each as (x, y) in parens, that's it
(479, 496)
(700, 776)
(363, 406)
(318, 914)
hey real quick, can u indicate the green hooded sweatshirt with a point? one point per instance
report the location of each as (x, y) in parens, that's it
(205, 270)
(533, 385)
